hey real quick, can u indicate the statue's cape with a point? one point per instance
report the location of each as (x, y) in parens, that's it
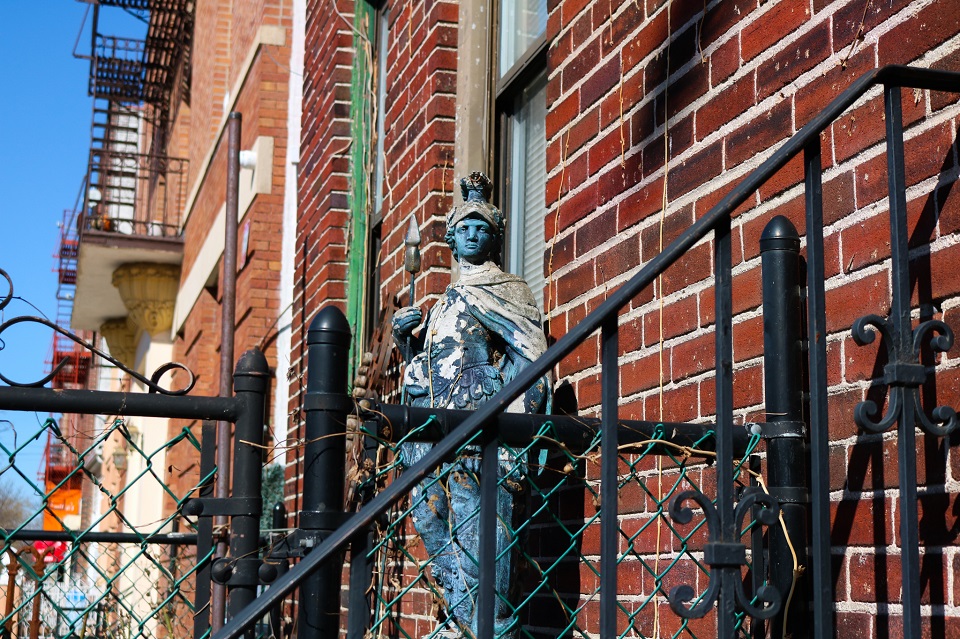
(505, 305)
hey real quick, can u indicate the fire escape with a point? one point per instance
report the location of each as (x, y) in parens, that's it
(71, 365)
(128, 222)
(136, 186)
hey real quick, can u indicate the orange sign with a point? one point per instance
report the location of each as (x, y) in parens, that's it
(62, 503)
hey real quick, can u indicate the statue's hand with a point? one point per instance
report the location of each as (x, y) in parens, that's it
(405, 320)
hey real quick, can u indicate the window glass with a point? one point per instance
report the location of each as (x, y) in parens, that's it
(521, 23)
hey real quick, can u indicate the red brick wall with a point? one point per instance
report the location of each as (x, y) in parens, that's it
(731, 80)
(320, 263)
(734, 82)
(421, 82)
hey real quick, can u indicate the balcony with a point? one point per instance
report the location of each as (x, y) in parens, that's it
(132, 215)
(116, 70)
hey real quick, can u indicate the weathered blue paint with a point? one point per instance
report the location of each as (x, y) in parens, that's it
(484, 330)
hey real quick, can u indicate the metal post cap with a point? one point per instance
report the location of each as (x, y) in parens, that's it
(252, 362)
(329, 326)
(252, 372)
(779, 233)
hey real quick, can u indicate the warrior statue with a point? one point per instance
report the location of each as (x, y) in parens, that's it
(476, 338)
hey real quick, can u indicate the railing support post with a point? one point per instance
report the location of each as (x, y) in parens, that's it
(278, 522)
(326, 404)
(208, 463)
(786, 437)
(250, 381)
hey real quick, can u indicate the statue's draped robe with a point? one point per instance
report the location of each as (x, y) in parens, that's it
(477, 338)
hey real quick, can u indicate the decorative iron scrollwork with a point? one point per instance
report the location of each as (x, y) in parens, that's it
(723, 555)
(9, 295)
(904, 374)
(151, 383)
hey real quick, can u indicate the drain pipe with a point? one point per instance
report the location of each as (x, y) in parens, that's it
(228, 320)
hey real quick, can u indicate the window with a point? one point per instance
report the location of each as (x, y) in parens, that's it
(522, 112)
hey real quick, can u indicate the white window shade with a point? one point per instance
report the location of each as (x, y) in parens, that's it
(527, 194)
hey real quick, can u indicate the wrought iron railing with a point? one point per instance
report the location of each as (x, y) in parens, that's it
(724, 552)
(134, 194)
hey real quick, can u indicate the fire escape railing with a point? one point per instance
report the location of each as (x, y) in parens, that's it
(136, 194)
(154, 70)
(134, 187)
(904, 375)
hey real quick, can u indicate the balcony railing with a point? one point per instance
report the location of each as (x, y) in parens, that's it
(135, 194)
(116, 70)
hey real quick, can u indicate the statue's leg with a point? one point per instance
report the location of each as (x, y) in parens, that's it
(464, 486)
(505, 625)
(430, 511)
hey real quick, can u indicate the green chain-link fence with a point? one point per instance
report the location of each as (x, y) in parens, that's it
(551, 541)
(75, 580)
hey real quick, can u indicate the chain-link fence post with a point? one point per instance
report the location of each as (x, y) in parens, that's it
(784, 431)
(250, 381)
(326, 404)
(208, 464)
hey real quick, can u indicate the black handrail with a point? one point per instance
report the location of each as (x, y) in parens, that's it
(893, 75)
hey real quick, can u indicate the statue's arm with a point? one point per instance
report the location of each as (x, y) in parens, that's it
(404, 322)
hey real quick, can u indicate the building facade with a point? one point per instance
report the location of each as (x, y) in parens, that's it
(149, 241)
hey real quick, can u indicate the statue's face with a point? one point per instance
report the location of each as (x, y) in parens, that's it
(474, 240)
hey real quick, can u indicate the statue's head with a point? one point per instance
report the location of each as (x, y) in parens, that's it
(476, 189)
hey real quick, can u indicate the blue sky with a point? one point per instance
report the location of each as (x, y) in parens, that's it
(45, 117)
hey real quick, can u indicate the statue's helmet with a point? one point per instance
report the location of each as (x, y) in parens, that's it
(476, 189)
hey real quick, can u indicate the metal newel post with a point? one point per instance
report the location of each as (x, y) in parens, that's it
(326, 404)
(786, 435)
(250, 382)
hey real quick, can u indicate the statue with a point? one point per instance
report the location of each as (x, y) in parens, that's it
(479, 335)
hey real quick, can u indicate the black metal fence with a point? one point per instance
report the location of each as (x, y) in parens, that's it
(103, 570)
(734, 582)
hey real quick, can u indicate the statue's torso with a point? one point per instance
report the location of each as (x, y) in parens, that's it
(460, 364)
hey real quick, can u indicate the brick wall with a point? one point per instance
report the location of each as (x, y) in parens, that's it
(421, 81)
(219, 53)
(656, 110)
(733, 81)
(320, 263)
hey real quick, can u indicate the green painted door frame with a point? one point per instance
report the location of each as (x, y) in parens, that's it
(361, 114)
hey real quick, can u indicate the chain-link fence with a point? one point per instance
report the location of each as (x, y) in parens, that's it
(425, 559)
(93, 547)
